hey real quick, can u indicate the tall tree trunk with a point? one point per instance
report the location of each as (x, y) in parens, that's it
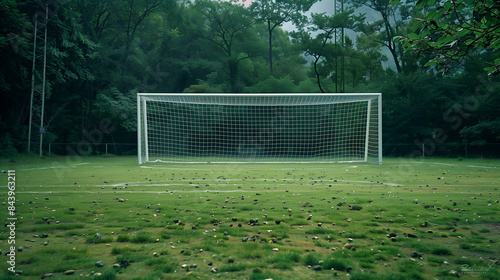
(270, 30)
(233, 73)
(318, 79)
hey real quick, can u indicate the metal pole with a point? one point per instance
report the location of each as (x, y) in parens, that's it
(32, 86)
(139, 129)
(379, 128)
(42, 129)
(367, 136)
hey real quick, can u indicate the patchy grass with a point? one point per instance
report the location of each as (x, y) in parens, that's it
(405, 219)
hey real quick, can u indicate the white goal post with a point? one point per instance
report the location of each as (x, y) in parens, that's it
(218, 128)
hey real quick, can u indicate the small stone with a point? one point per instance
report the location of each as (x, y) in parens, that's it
(348, 246)
(455, 273)
(99, 264)
(316, 267)
(69, 272)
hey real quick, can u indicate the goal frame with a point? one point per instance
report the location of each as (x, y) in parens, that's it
(142, 120)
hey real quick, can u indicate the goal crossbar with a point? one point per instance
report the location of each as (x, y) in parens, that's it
(218, 127)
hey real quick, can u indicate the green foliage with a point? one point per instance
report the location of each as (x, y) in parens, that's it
(273, 84)
(482, 132)
(275, 13)
(452, 30)
(118, 107)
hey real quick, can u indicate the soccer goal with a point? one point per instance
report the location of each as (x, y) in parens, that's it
(223, 128)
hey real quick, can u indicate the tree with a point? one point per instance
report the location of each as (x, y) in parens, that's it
(274, 13)
(15, 62)
(451, 30)
(371, 56)
(227, 27)
(129, 15)
(393, 20)
(320, 47)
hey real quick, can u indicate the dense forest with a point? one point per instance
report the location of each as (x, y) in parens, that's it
(435, 62)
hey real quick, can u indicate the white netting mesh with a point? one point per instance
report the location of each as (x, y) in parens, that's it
(258, 128)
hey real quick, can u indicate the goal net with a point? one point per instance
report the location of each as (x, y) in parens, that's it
(259, 127)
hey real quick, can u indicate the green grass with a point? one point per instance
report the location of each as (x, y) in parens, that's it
(179, 221)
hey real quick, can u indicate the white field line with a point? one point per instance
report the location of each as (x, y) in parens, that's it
(139, 191)
(55, 167)
(454, 164)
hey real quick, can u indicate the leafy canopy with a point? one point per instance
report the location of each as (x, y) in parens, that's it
(452, 29)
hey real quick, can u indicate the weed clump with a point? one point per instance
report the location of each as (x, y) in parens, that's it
(123, 238)
(441, 251)
(310, 259)
(142, 238)
(336, 264)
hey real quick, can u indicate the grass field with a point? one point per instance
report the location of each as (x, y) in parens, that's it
(405, 219)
